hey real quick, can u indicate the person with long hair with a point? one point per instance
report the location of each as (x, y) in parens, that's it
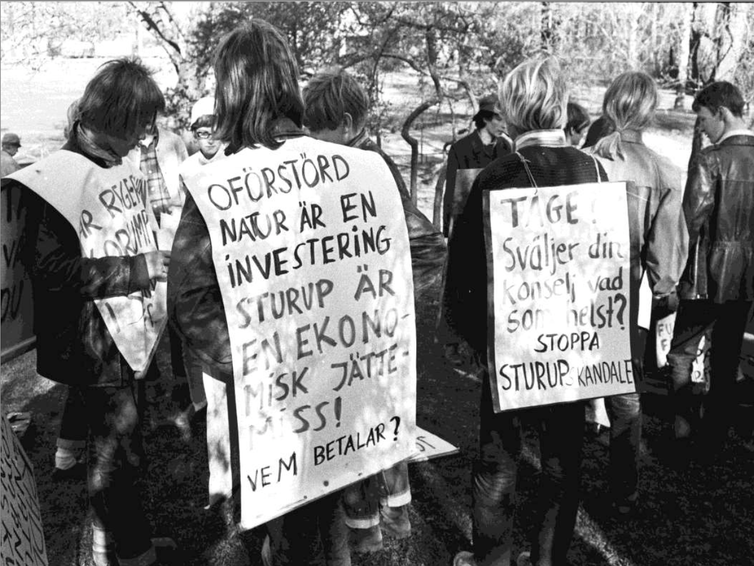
(259, 111)
(533, 98)
(94, 267)
(659, 243)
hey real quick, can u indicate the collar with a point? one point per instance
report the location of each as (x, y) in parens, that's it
(153, 143)
(541, 138)
(631, 136)
(359, 139)
(731, 133)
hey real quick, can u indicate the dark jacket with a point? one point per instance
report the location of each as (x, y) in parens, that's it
(427, 244)
(466, 283)
(467, 153)
(719, 209)
(73, 344)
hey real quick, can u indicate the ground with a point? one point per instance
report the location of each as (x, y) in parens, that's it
(688, 516)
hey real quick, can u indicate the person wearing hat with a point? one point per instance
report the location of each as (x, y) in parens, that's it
(466, 158)
(202, 128)
(11, 143)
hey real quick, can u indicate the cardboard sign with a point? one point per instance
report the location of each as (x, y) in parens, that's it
(430, 446)
(107, 209)
(312, 257)
(559, 294)
(700, 367)
(23, 536)
(17, 333)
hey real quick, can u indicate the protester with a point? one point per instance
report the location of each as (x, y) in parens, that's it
(336, 110)
(11, 142)
(577, 124)
(202, 124)
(80, 273)
(659, 244)
(466, 158)
(533, 99)
(717, 287)
(259, 109)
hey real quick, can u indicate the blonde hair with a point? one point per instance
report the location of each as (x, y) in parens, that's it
(629, 104)
(534, 96)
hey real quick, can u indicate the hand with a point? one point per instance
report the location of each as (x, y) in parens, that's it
(157, 264)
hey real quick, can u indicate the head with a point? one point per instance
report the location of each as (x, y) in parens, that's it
(719, 107)
(120, 104)
(577, 124)
(488, 117)
(257, 85)
(11, 142)
(629, 104)
(203, 126)
(335, 107)
(533, 96)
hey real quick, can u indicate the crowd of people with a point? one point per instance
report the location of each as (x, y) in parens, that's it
(694, 245)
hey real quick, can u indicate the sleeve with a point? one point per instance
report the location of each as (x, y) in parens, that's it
(464, 299)
(699, 197)
(667, 244)
(195, 304)
(450, 183)
(58, 263)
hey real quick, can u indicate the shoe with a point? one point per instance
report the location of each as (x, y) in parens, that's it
(464, 558)
(366, 541)
(524, 559)
(75, 472)
(395, 521)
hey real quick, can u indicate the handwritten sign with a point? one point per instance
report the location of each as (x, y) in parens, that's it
(23, 536)
(430, 446)
(559, 294)
(17, 308)
(311, 251)
(107, 209)
(700, 367)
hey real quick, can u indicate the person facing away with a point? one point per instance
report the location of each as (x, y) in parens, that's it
(717, 286)
(577, 124)
(336, 109)
(658, 246)
(533, 98)
(10, 144)
(258, 104)
(74, 278)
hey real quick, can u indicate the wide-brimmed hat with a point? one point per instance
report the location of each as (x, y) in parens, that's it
(488, 104)
(11, 139)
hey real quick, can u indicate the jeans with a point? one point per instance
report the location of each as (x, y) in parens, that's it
(114, 417)
(561, 435)
(74, 427)
(728, 322)
(625, 444)
(315, 534)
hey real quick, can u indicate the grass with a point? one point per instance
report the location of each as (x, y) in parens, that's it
(698, 516)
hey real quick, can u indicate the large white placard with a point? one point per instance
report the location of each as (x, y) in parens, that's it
(23, 540)
(311, 251)
(559, 294)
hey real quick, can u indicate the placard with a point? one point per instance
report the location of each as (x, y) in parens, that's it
(312, 257)
(17, 335)
(559, 294)
(23, 535)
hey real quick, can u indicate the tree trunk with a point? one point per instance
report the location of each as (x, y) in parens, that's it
(684, 51)
(413, 142)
